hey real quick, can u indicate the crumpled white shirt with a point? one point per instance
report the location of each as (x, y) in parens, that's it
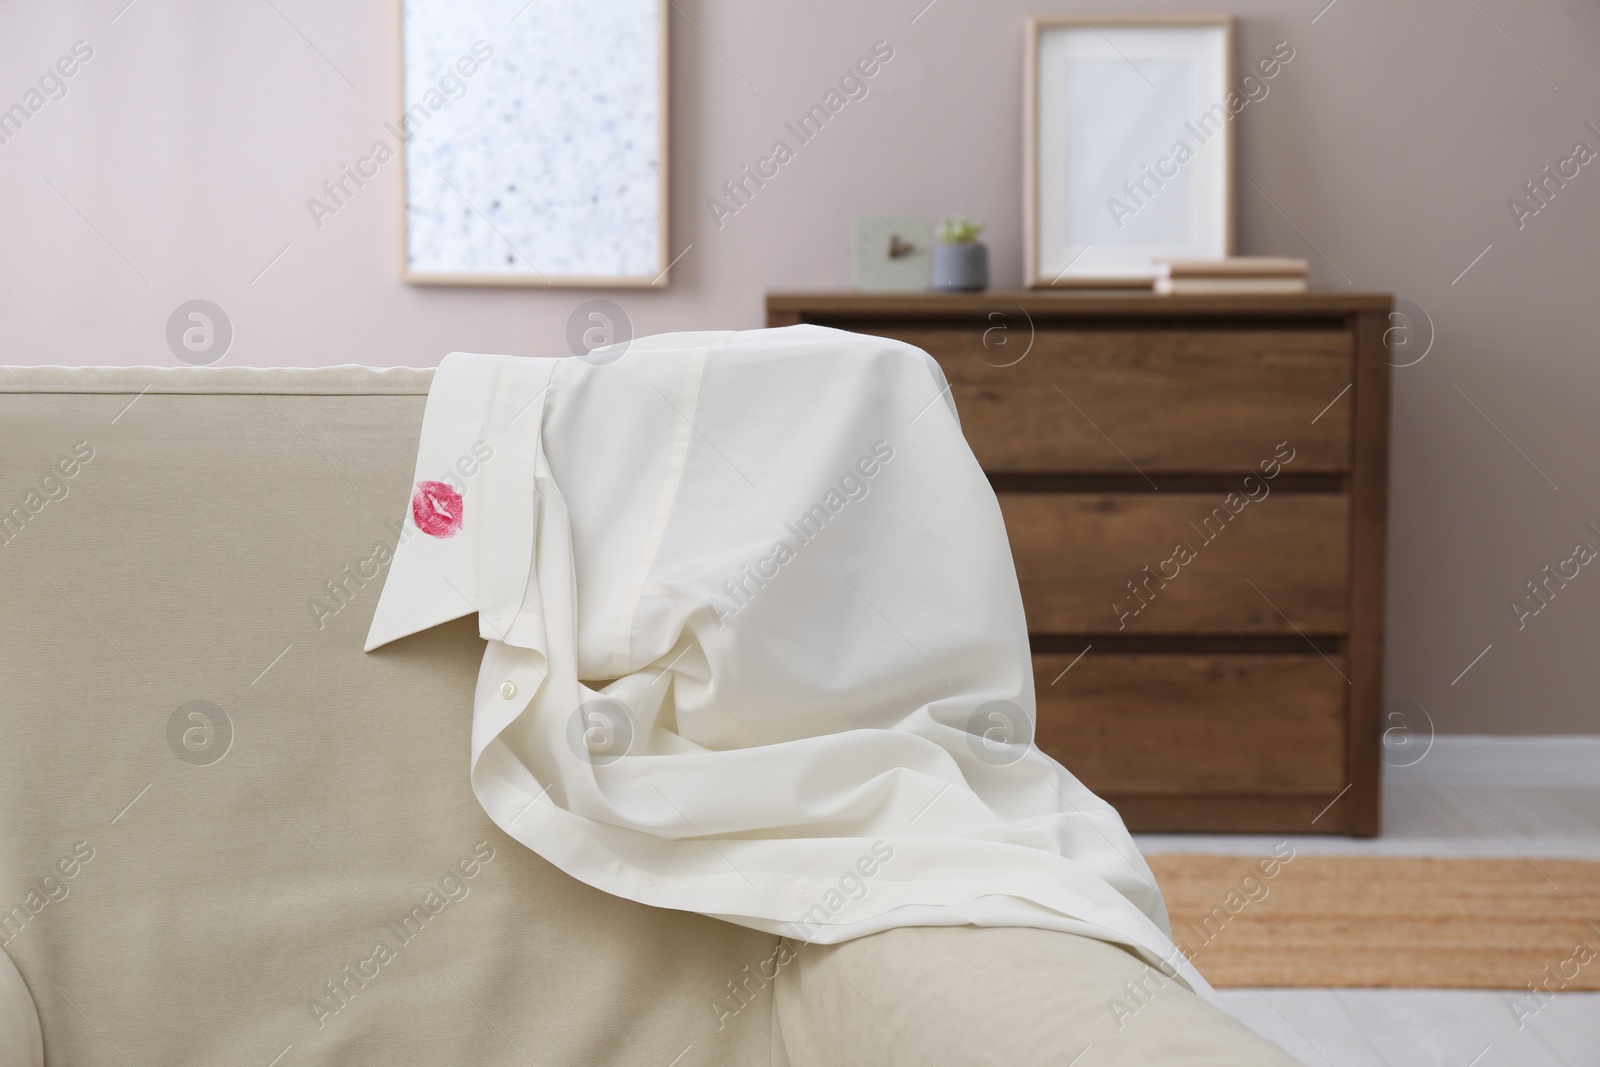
(755, 642)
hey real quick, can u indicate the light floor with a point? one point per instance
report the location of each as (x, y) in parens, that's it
(1423, 1027)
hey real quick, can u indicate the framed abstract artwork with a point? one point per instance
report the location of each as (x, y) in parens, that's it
(1129, 144)
(532, 142)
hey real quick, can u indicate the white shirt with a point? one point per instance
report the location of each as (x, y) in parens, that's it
(755, 642)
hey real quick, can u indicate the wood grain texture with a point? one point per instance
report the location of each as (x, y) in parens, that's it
(1231, 813)
(1044, 307)
(1369, 501)
(1385, 922)
(1124, 401)
(1076, 555)
(1179, 725)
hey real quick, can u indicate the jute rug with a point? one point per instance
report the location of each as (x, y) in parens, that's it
(1342, 921)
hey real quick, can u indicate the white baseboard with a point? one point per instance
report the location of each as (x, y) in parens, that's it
(1511, 761)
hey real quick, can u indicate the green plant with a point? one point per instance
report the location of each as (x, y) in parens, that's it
(959, 230)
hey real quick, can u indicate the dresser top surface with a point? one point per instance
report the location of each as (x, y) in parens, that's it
(1073, 304)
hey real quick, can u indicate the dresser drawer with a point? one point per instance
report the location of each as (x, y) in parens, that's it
(1157, 725)
(1077, 553)
(1169, 400)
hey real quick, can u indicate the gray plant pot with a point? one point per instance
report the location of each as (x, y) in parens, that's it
(961, 268)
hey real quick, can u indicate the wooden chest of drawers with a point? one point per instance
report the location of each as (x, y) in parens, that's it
(1195, 490)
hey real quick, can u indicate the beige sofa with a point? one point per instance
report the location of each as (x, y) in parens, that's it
(231, 837)
(216, 806)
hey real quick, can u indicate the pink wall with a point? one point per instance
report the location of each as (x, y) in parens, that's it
(1389, 146)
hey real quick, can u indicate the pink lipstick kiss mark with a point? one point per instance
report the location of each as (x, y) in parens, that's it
(437, 509)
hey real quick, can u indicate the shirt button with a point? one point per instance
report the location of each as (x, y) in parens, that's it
(508, 690)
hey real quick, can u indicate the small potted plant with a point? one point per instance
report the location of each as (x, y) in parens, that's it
(960, 260)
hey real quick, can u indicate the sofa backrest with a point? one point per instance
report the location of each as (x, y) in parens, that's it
(229, 835)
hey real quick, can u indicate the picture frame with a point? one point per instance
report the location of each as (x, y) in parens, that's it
(889, 254)
(480, 208)
(1107, 101)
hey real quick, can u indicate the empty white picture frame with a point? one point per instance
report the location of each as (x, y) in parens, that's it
(1129, 146)
(533, 142)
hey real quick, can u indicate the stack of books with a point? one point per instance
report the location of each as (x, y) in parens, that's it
(1235, 274)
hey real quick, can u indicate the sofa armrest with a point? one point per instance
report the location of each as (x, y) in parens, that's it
(21, 1044)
